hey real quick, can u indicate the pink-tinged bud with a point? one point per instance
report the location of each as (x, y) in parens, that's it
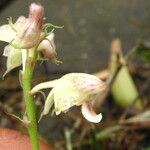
(36, 12)
(48, 48)
(28, 36)
(29, 32)
(20, 22)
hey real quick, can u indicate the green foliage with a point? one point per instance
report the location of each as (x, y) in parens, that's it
(143, 50)
(147, 148)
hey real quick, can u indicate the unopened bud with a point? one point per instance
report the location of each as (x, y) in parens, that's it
(29, 34)
(20, 22)
(48, 48)
(36, 12)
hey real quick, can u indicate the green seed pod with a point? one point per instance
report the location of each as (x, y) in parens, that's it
(123, 89)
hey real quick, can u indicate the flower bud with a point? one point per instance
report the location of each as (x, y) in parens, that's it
(28, 35)
(20, 22)
(48, 48)
(36, 12)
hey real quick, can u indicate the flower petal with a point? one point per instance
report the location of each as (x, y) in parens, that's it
(86, 82)
(44, 85)
(24, 57)
(66, 97)
(47, 47)
(7, 34)
(27, 36)
(14, 58)
(6, 51)
(48, 104)
(89, 114)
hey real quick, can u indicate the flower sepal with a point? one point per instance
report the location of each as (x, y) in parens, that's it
(14, 58)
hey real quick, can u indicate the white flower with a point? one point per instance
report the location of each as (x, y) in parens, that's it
(73, 89)
(24, 35)
(26, 32)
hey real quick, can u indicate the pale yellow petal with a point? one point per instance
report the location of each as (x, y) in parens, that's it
(14, 59)
(86, 82)
(7, 34)
(44, 85)
(66, 96)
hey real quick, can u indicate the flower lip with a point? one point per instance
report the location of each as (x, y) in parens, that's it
(89, 114)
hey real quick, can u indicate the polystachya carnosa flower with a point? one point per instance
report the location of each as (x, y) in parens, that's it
(16, 57)
(25, 33)
(23, 36)
(72, 89)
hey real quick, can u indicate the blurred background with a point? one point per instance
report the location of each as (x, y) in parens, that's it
(83, 45)
(89, 27)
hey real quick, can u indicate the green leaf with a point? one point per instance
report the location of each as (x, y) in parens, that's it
(147, 148)
(143, 50)
(106, 133)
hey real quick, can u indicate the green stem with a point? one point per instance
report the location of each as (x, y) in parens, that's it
(30, 105)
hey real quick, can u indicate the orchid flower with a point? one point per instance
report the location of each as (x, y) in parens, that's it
(48, 48)
(24, 35)
(72, 89)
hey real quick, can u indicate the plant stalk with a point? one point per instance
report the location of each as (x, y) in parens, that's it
(29, 101)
